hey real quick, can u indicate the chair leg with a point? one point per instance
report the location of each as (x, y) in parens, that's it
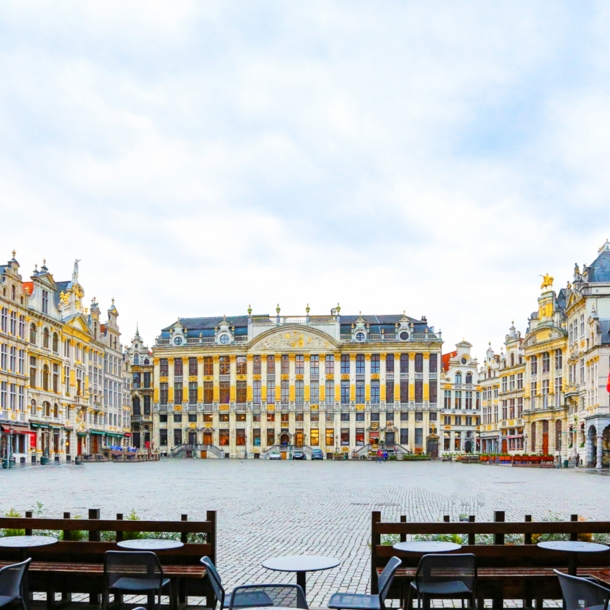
(409, 596)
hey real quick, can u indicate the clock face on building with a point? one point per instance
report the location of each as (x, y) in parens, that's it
(178, 341)
(224, 339)
(360, 336)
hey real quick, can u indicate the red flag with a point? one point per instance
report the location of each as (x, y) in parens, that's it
(608, 384)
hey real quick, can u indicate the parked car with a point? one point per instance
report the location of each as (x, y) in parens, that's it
(275, 455)
(299, 455)
(316, 454)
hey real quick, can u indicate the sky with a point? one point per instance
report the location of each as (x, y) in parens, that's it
(200, 157)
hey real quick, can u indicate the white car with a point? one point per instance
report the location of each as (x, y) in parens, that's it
(275, 455)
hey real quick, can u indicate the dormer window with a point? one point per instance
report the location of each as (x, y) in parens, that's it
(224, 339)
(360, 336)
(177, 340)
(45, 301)
(404, 335)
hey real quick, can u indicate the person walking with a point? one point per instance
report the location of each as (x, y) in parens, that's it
(379, 455)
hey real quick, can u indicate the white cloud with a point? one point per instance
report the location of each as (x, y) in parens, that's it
(201, 157)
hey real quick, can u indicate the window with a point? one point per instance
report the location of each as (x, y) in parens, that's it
(299, 365)
(223, 437)
(135, 406)
(447, 399)
(163, 393)
(285, 364)
(330, 417)
(270, 365)
(192, 366)
(419, 436)
(546, 362)
(419, 390)
(344, 437)
(404, 363)
(419, 363)
(360, 391)
(223, 418)
(257, 370)
(208, 365)
(419, 416)
(329, 365)
(241, 365)
(270, 416)
(433, 393)
(45, 301)
(345, 364)
(360, 364)
(344, 392)
(55, 343)
(375, 416)
(33, 333)
(534, 365)
(389, 363)
(147, 405)
(256, 392)
(241, 390)
(177, 418)
(504, 384)
(193, 392)
(224, 365)
(558, 360)
(468, 377)
(458, 378)
(314, 366)
(178, 397)
(458, 399)
(270, 437)
(225, 392)
(389, 391)
(299, 388)
(375, 391)
(163, 367)
(330, 437)
(433, 365)
(314, 416)
(404, 436)
(468, 399)
(285, 391)
(314, 392)
(404, 391)
(4, 320)
(345, 416)
(330, 391)
(208, 392)
(56, 378)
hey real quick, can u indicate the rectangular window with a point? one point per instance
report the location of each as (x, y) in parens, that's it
(270, 365)
(177, 436)
(344, 392)
(458, 399)
(433, 393)
(468, 399)
(404, 436)
(360, 364)
(419, 436)
(256, 437)
(147, 405)
(241, 391)
(360, 391)
(389, 363)
(314, 436)
(375, 416)
(163, 437)
(447, 403)
(225, 392)
(224, 364)
(256, 366)
(256, 392)
(330, 417)
(558, 360)
(359, 416)
(404, 363)
(147, 379)
(178, 367)
(240, 437)
(285, 365)
(285, 389)
(389, 391)
(419, 363)
(375, 391)
(208, 392)
(208, 365)
(45, 301)
(192, 366)
(163, 367)
(270, 437)
(419, 416)
(433, 363)
(56, 378)
(330, 437)
(299, 391)
(419, 390)
(345, 416)
(330, 391)
(344, 437)
(193, 392)
(32, 372)
(404, 416)
(546, 362)
(178, 393)
(534, 365)
(270, 416)
(329, 364)
(314, 392)
(404, 391)
(270, 391)
(345, 364)
(314, 416)
(359, 437)
(504, 409)
(504, 384)
(299, 365)
(241, 365)
(223, 437)
(519, 381)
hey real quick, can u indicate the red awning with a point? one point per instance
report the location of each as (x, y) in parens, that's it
(127, 433)
(16, 429)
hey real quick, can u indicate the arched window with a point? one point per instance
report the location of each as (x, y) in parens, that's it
(468, 377)
(55, 343)
(55, 411)
(136, 405)
(45, 377)
(45, 338)
(33, 406)
(136, 359)
(46, 407)
(458, 377)
(146, 361)
(33, 333)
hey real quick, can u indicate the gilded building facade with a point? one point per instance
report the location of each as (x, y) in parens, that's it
(140, 362)
(489, 381)
(461, 411)
(545, 351)
(588, 362)
(245, 385)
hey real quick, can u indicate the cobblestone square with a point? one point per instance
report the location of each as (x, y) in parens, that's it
(268, 508)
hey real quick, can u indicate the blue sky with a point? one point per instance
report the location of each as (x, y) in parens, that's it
(199, 157)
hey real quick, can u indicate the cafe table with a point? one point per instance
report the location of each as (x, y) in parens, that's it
(573, 548)
(301, 564)
(150, 544)
(426, 546)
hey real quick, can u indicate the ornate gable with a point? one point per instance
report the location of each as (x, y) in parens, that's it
(294, 337)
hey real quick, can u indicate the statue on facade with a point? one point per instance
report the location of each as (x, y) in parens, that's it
(75, 271)
(547, 281)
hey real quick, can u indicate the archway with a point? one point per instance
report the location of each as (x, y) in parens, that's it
(468, 446)
(285, 439)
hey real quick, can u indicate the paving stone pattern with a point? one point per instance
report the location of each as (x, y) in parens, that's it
(267, 509)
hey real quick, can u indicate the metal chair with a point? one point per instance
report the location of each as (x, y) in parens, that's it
(250, 596)
(134, 572)
(361, 601)
(445, 576)
(12, 584)
(581, 593)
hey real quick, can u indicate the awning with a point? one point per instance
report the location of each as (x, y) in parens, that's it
(15, 429)
(37, 425)
(98, 432)
(128, 434)
(81, 434)
(56, 426)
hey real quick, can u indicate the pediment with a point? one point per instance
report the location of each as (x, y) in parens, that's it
(294, 338)
(78, 322)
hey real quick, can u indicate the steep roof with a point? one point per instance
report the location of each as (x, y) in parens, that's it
(604, 326)
(599, 270)
(446, 358)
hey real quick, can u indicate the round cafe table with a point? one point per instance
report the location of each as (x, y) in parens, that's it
(573, 547)
(150, 544)
(301, 564)
(427, 546)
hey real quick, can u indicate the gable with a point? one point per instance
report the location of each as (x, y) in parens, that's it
(293, 337)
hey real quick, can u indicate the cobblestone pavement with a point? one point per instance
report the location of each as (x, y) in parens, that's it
(268, 508)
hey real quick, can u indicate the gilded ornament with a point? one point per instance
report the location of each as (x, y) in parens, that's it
(345, 376)
(547, 281)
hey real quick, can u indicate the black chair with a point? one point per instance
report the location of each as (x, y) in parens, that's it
(581, 593)
(251, 596)
(12, 584)
(134, 572)
(441, 576)
(361, 601)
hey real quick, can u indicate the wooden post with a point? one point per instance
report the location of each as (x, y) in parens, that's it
(28, 515)
(499, 517)
(574, 536)
(67, 535)
(375, 542)
(211, 536)
(471, 537)
(119, 535)
(184, 535)
(403, 519)
(94, 536)
(446, 518)
(528, 537)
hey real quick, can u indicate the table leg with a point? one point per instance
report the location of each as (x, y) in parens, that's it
(302, 581)
(572, 564)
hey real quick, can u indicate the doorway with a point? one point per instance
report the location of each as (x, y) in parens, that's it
(207, 438)
(545, 437)
(192, 438)
(298, 438)
(285, 440)
(390, 438)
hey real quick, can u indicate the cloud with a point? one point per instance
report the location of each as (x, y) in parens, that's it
(200, 157)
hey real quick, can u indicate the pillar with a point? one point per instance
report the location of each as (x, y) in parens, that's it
(600, 449)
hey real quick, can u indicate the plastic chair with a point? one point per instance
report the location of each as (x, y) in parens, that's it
(250, 596)
(361, 601)
(581, 593)
(12, 581)
(134, 572)
(445, 576)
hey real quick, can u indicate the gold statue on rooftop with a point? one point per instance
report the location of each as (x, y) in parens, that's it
(547, 281)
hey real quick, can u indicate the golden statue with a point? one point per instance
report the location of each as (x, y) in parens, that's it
(64, 298)
(547, 281)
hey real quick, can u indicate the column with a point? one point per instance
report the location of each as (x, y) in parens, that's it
(600, 448)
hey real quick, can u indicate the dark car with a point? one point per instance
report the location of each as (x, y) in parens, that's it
(316, 454)
(299, 455)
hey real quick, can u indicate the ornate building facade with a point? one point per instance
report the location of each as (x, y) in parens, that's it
(247, 384)
(489, 380)
(140, 361)
(588, 361)
(461, 410)
(64, 404)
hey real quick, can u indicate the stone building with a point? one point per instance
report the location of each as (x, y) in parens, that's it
(461, 409)
(588, 360)
(545, 351)
(345, 384)
(489, 381)
(141, 392)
